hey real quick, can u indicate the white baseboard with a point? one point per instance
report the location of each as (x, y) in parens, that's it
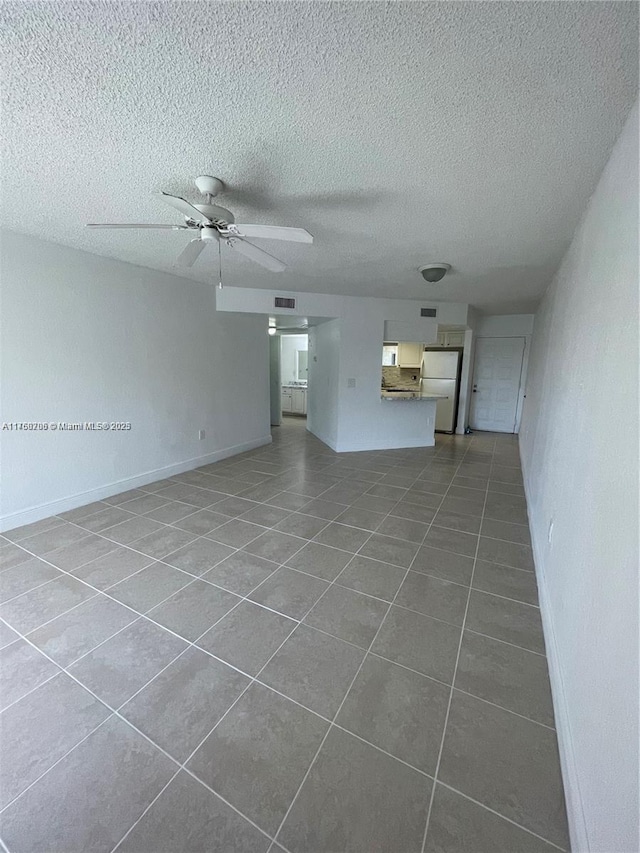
(36, 513)
(575, 812)
(323, 438)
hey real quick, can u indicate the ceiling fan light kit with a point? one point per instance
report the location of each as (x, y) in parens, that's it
(214, 223)
(434, 272)
(208, 232)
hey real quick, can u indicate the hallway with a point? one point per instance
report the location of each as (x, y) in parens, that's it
(290, 649)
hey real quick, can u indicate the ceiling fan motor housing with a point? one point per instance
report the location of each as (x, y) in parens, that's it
(209, 232)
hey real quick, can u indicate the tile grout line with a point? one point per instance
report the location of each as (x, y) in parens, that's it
(253, 680)
(173, 526)
(504, 817)
(389, 660)
(333, 582)
(197, 536)
(33, 588)
(453, 677)
(105, 592)
(228, 496)
(453, 681)
(191, 643)
(116, 712)
(356, 554)
(138, 615)
(30, 691)
(62, 757)
(348, 691)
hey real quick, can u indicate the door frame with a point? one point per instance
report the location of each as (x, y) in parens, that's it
(521, 381)
(275, 401)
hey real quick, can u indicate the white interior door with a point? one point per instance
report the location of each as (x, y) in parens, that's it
(496, 384)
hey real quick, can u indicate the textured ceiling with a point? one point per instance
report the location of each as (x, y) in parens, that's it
(397, 133)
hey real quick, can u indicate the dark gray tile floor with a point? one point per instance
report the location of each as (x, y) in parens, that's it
(288, 650)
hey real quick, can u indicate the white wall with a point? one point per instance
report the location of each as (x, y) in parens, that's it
(289, 346)
(505, 325)
(579, 445)
(367, 422)
(329, 305)
(86, 338)
(362, 420)
(324, 371)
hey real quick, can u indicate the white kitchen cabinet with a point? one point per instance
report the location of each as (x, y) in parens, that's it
(287, 399)
(451, 339)
(410, 355)
(455, 339)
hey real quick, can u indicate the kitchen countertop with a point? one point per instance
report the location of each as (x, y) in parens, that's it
(410, 396)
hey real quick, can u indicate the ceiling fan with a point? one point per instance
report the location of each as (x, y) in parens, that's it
(213, 223)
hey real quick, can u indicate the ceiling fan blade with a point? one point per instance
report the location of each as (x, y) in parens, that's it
(191, 251)
(274, 232)
(255, 254)
(135, 225)
(184, 207)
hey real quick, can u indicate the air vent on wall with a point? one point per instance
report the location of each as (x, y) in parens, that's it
(428, 312)
(283, 302)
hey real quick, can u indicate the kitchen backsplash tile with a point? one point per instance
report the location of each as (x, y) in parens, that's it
(401, 377)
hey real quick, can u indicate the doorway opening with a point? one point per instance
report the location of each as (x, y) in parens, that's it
(294, 352)
(289, 377)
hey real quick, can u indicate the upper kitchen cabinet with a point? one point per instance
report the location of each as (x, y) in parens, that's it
(410, 355)
(453, 338)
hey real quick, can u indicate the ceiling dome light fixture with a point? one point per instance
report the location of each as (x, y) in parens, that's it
(434, 272)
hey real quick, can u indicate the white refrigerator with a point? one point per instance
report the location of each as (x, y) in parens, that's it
(441, 375)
